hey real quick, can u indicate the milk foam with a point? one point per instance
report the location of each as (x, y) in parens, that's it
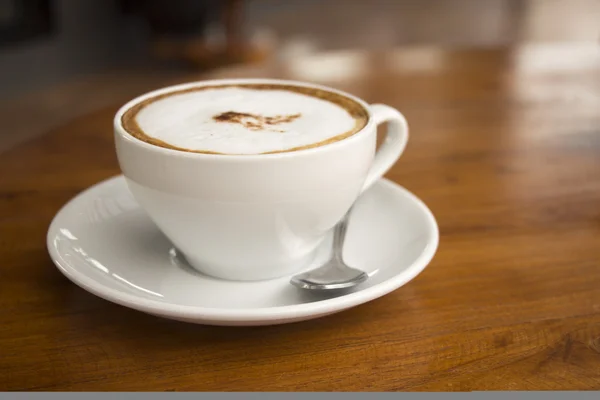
(189, 120)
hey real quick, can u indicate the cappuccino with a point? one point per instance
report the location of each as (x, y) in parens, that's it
(244, 119)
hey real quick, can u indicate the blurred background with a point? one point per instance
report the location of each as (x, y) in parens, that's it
(64, 58)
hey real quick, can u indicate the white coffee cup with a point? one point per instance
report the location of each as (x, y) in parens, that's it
(255, 217)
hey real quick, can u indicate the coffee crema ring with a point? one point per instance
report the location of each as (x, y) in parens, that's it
(217, 119)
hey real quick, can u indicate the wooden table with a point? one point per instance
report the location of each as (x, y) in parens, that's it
(505, 149)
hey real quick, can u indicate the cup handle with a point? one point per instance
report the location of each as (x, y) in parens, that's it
(392, 146)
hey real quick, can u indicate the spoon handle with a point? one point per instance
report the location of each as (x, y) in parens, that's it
(339, 236)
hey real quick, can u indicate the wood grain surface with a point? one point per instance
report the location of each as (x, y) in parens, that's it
(504, 149)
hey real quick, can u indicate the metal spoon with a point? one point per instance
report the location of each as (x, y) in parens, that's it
(334, 274)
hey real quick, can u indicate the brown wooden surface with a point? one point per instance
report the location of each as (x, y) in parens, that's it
(504, 148)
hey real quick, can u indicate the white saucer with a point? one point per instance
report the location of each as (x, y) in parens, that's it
(105, 243)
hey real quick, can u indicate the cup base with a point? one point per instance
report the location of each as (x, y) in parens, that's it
(247, 273)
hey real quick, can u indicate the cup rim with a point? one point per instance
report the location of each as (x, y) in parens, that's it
(124, 135)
